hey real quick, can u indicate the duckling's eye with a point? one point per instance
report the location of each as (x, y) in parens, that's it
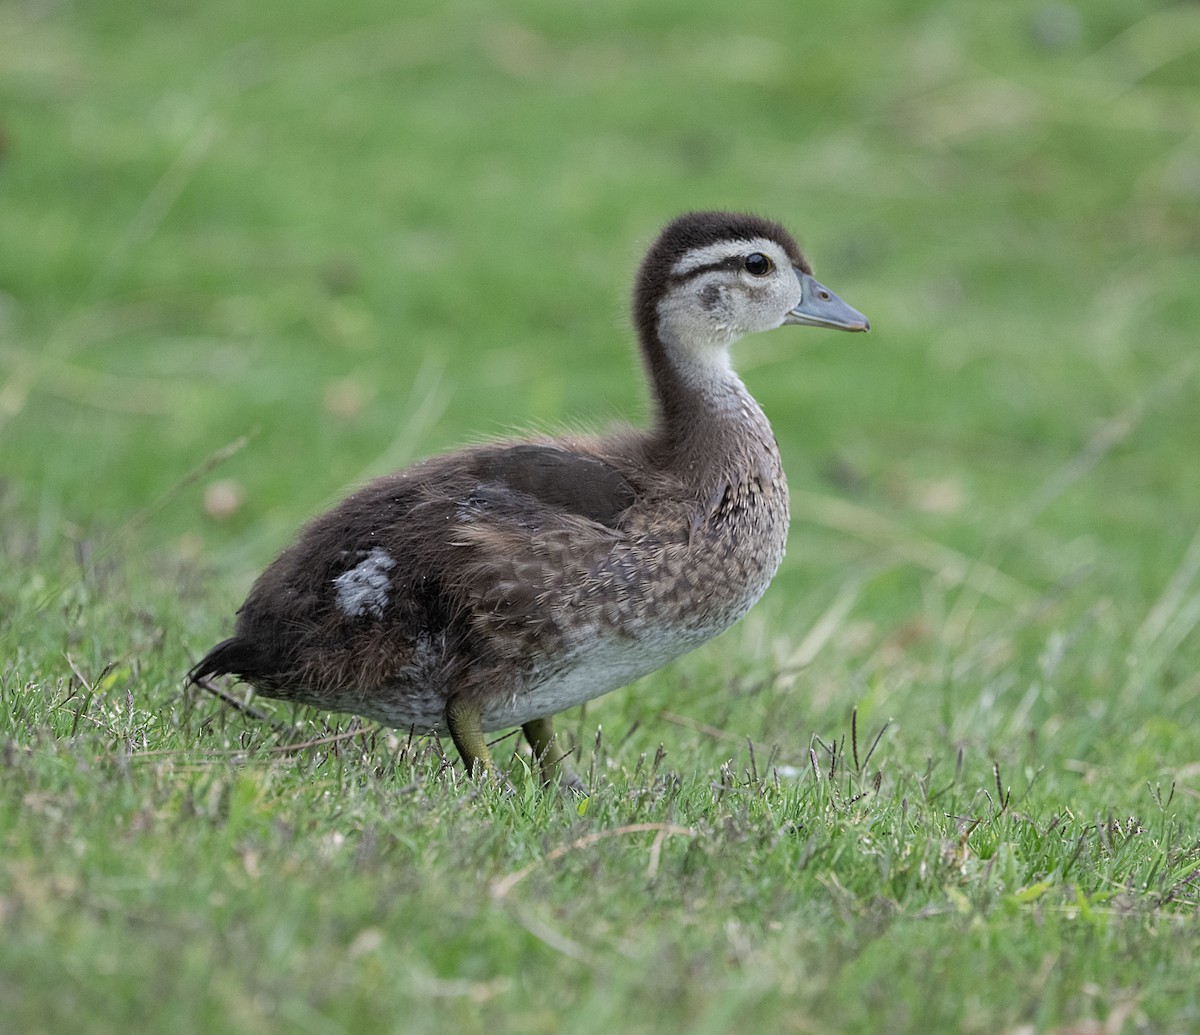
(758, 265)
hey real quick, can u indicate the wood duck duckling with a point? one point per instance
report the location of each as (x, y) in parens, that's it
(494, 586)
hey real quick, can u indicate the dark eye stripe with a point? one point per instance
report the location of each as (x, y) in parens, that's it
(734, 262)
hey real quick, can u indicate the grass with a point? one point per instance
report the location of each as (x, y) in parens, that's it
(944, 777)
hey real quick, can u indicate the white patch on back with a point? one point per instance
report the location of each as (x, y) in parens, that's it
(363, 590)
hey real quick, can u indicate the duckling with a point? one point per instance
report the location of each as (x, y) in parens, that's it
(495, 586)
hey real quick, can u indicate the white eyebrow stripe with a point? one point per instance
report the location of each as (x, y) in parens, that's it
(710, 254)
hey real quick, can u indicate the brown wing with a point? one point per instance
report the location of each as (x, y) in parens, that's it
(555, 477)
(475, 543)
(530, 533)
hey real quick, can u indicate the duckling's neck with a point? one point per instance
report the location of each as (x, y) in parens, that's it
(705, 419)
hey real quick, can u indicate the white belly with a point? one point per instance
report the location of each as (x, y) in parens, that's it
(589, 673)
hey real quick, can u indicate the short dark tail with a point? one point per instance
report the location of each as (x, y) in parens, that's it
(229, 657)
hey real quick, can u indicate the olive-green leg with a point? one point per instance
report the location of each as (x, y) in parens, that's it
(464, 721)
(550, 758)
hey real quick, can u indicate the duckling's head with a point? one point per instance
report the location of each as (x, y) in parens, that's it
(712, 277)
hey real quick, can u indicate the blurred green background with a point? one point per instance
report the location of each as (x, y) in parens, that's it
(252, 254)
(368, 232)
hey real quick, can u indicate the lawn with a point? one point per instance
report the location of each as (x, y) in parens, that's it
(945, 777)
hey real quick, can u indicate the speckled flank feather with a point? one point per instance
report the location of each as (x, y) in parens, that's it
(523, 578)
